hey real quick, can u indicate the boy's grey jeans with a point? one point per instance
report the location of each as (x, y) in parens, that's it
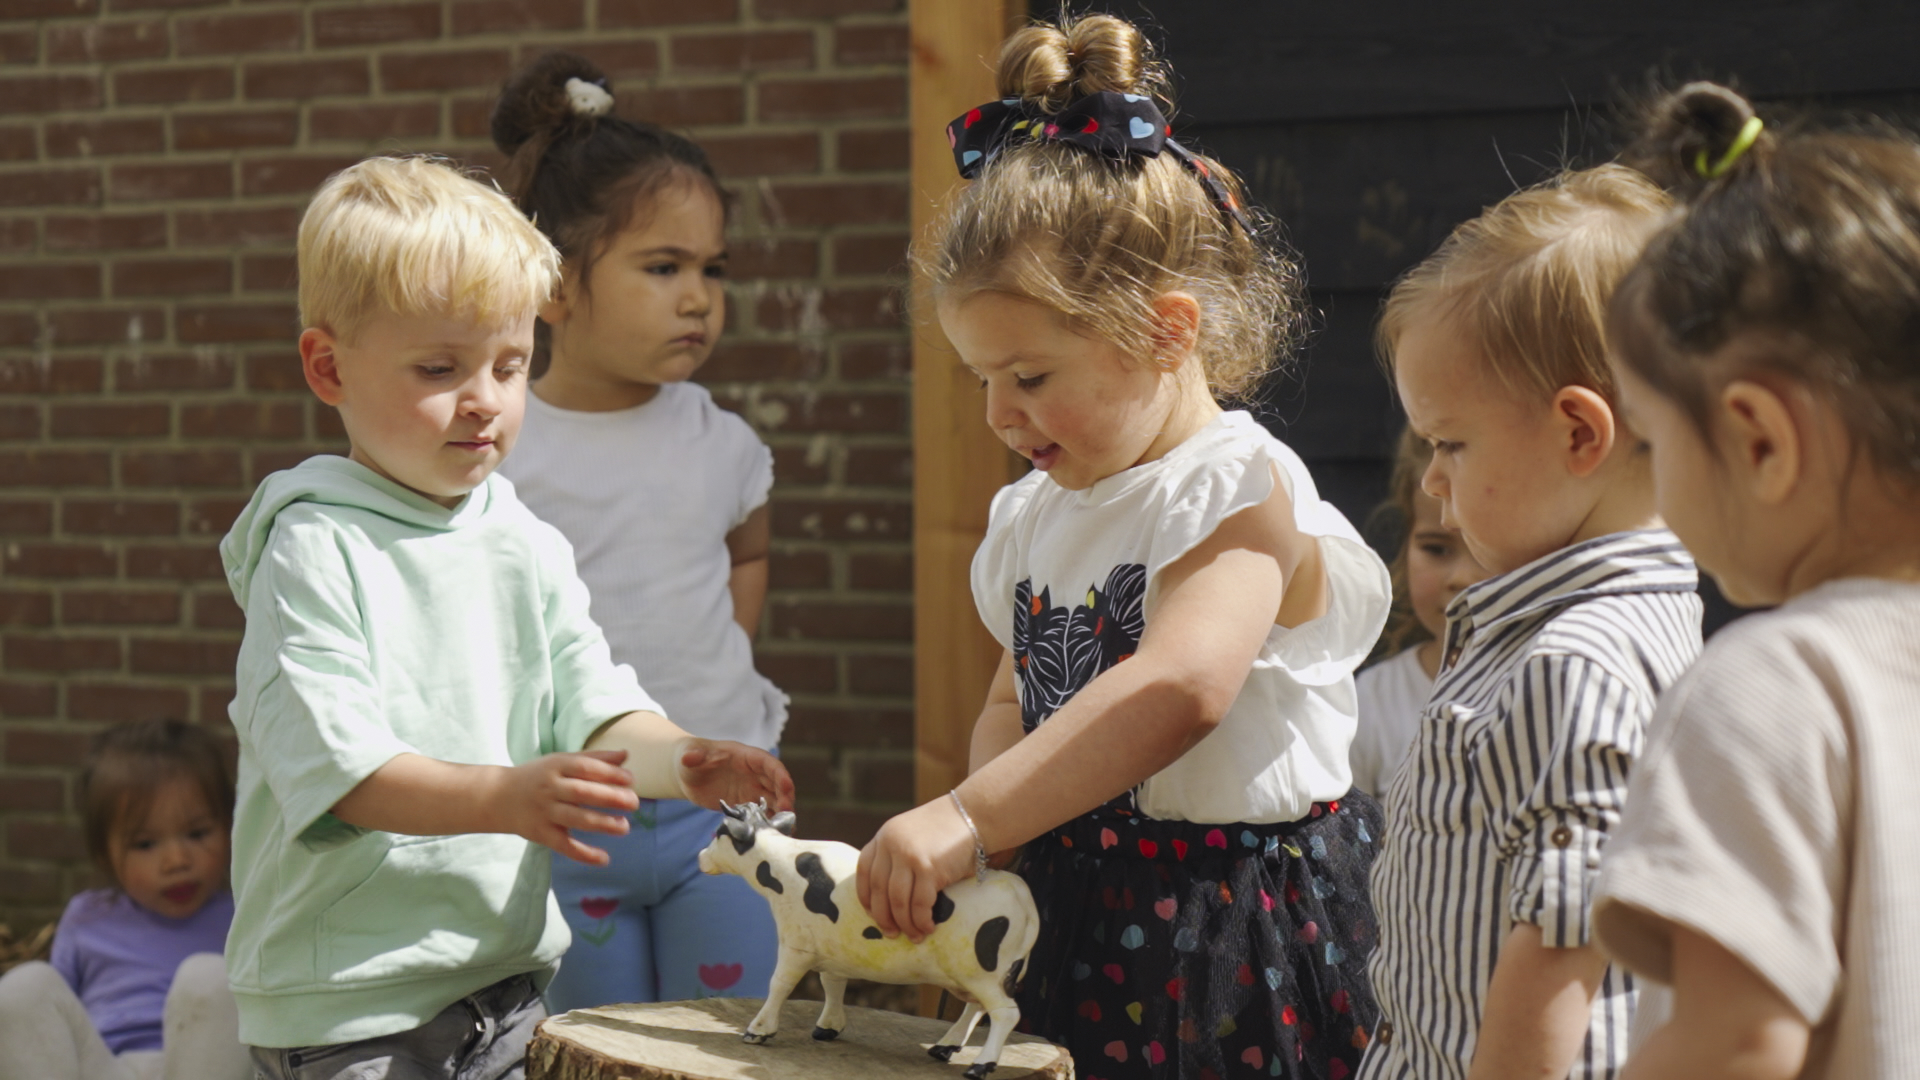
(483, 1036)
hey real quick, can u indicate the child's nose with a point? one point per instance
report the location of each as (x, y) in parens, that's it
(482, 397)
(1001, 412)
(1433, 482)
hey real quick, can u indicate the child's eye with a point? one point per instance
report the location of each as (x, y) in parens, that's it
(436, 371)
(142, 844)
(664, 269)
(1028, 382)
(1434, 549)
(717, 271)
(1442, 446)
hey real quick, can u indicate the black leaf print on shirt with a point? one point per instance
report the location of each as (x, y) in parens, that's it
(1058, 650)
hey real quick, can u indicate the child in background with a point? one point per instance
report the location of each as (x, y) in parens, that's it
(421, 697)
(137, 989)
(1182, 613)
(1550, 670)
(1431, 568)
(1765, 347)
(663, 496)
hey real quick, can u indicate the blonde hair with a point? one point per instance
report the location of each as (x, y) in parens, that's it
(1100, 239)
(415, 236)
(1530, 279)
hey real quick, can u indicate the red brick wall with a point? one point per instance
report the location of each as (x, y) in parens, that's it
(155, 156)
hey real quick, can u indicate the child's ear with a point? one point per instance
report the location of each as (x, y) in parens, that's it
(1761, 435)
(555, 310)
(320, 362)
(1176, 328)
(1588, 428)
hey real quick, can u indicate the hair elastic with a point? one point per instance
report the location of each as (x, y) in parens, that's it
(1107, 123)
(588, 98)
(1749, 133)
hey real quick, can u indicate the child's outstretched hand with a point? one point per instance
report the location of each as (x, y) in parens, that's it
(549, 795)
(714, 771)
(906, 864)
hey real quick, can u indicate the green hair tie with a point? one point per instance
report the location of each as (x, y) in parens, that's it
(1749, 132)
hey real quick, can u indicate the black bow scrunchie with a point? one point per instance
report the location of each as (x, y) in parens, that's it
(1110, 124)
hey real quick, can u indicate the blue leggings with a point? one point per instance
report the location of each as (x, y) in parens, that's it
(650, 926)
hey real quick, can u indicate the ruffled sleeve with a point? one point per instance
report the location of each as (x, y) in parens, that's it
(998, 562)
(1317, 653)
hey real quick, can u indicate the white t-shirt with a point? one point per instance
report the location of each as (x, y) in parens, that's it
(1393, 694)
(647, 496)
(1774, 811)
(1067, 580)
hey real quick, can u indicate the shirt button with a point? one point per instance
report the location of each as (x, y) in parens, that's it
(1562, 836)
(1384, 1033)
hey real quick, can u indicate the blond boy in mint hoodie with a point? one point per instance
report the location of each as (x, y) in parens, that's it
(423, 701)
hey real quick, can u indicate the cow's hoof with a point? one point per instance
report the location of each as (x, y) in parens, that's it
(821, 1034)
(979, 1069)
(757, 1040)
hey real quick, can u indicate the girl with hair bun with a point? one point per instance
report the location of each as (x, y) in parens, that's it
(1182, 613)
(1765, 348)
(663, 496)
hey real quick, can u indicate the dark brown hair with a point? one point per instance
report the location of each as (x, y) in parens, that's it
(583, 178)
(1397, 513)
(129, 763)
(1809, 239)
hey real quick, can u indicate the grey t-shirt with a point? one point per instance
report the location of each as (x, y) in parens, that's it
(1774, 812)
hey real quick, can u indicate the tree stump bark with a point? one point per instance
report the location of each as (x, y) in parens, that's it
(700, 1040)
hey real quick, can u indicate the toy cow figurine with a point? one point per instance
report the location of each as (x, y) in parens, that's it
(985, 930)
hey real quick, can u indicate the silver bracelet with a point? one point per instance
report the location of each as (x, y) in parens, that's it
(979, 849)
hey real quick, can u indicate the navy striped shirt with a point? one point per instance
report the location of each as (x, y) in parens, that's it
(1515, 779)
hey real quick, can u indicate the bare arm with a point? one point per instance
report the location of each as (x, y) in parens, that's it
(668, 763)
(999, 727)
(1728, 1023)
(421, 796)
(1538, 1008)
(749, 545)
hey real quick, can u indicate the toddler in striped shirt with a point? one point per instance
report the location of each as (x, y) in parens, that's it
(1486, 965)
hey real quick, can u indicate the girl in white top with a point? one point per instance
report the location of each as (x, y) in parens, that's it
(1429, 570)
(663, 496)
(1182, 613)
(1765, 349)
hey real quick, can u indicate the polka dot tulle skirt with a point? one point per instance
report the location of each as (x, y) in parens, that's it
(1170, 949)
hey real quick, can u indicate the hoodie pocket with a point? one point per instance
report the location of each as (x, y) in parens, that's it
(437, 904)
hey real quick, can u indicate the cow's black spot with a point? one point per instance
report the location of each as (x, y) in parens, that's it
(986, 941)
(764, 875)
(872, 933)
(819, 897)
(942, 907)
(1012, 981)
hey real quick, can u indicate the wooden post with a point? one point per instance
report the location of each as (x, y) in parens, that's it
(958, 464)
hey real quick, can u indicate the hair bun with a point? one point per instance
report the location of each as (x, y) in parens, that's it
(545, 97)
(1700, 122)
(1054, 65)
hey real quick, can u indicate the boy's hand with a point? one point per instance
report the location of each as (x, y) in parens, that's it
(549, 795)
(714, 771)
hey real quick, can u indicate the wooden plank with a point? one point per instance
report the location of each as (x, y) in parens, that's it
(1290, 59)
(958, 464)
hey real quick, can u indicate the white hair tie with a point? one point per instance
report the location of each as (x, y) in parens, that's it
(588, 99)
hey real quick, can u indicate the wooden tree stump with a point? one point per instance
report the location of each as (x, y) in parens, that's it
(700, 1040)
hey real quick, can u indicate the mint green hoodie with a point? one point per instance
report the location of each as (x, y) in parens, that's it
(380, 623)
